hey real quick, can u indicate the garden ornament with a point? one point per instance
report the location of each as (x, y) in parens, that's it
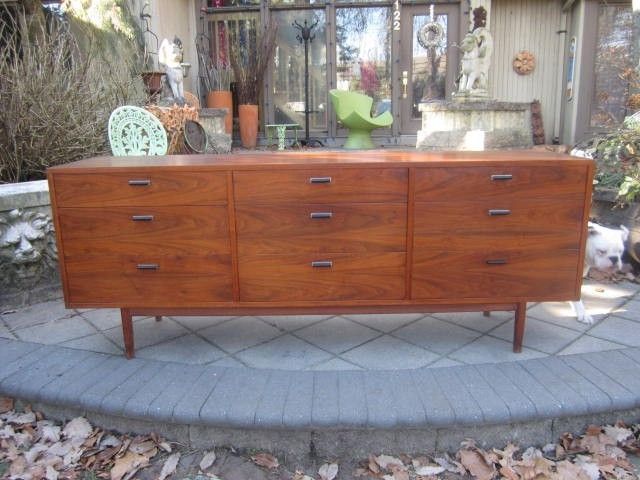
(476, 48)
(134, 131)
(170, 56)
(27, 248)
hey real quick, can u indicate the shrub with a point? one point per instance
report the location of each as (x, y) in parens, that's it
(56, 96)
(617, 156)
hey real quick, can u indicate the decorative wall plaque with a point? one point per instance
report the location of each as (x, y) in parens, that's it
(524, 63)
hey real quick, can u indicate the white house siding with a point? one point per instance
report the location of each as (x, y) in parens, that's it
(529, 25)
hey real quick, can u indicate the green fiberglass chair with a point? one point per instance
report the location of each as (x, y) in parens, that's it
(354, 111)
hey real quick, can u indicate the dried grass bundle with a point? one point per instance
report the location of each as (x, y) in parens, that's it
(173, 119)
(250, 58)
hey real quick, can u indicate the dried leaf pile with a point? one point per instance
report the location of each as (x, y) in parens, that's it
(173, 119)
(601, 453)
(34, 448)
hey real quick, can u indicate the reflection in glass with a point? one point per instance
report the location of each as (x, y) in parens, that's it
(297, 2)
(429, 65)
(288, 81)
(614, 68)
(363, 50)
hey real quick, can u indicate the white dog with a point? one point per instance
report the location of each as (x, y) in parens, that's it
(603, 252)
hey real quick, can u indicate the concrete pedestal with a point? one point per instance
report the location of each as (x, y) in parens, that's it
(474, 125)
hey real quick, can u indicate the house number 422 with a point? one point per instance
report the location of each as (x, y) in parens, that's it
(396, 15)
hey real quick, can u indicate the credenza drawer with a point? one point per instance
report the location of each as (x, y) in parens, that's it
(140, 188)
(145, 230)
(485, 224)
(277, 278)
(495, 274)
(322, 185)
(279, 228)
(149, 280)
(504, 182)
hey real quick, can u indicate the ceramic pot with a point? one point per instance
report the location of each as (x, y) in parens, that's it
(248, 119)
(222, 99)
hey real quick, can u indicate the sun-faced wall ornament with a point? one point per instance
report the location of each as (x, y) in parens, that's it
(524, 63)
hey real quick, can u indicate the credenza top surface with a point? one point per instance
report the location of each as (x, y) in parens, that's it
(301, 159)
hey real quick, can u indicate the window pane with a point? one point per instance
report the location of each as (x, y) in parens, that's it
(288, 81)
(297, 2)
(363, 51)
(613, 64)
(429, 65)
(231, 3)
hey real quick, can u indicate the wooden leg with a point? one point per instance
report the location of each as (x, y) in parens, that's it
(158, 318)
(518, 329)
(127, 332)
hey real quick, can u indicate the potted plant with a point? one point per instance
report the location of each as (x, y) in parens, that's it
(250, 59)
(219, 95)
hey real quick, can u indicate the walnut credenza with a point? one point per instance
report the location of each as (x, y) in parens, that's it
(321, 232)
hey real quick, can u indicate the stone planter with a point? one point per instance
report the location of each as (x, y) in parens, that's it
(28, 255)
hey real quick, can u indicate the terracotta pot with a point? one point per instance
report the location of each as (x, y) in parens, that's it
(152, 82)
(222, 99)
(248, 119)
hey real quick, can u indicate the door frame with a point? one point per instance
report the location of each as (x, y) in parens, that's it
(405, 124)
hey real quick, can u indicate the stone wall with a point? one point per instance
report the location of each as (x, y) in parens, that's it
(28, 254)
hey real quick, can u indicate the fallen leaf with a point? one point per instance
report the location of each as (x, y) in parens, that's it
(474, 462)
(450, 465)
(34, 452)
(6, 404)
(429, 470)
(169, 466)
(110, 441)
(301, 476)
(79, 427)
(165, 446)
(265, 460)
(21, 418)
(208, 460)
(51, 473)
(18, 466)
(568, 471)
(386, 460)
(51, 433)
(588, 467)
(328, 471)
(130, 462)
(619, 434)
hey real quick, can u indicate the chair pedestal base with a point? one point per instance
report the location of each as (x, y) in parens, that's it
(359, 140)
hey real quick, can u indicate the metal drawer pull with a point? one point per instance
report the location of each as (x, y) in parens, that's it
(321, 215)
(142, 218)
(148, 266)
(140, 183)
(506, 176)
(497, 261)
(322, 264)
(320, 180)
(496, 212)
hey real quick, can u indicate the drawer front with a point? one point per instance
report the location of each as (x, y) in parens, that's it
(149, 280)
(278, 229)
(140, 188)
(144, 230)
(322, 185)
(497, 274)
(498, 224)
(471, 183)
(277, 278)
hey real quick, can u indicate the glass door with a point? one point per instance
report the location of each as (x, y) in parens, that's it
(428, 59)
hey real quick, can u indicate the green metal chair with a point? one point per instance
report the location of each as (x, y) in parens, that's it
(354, 111)
(134, 131)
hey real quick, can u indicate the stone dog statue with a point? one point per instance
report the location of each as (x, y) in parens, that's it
(170, 56)
(476, 58)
